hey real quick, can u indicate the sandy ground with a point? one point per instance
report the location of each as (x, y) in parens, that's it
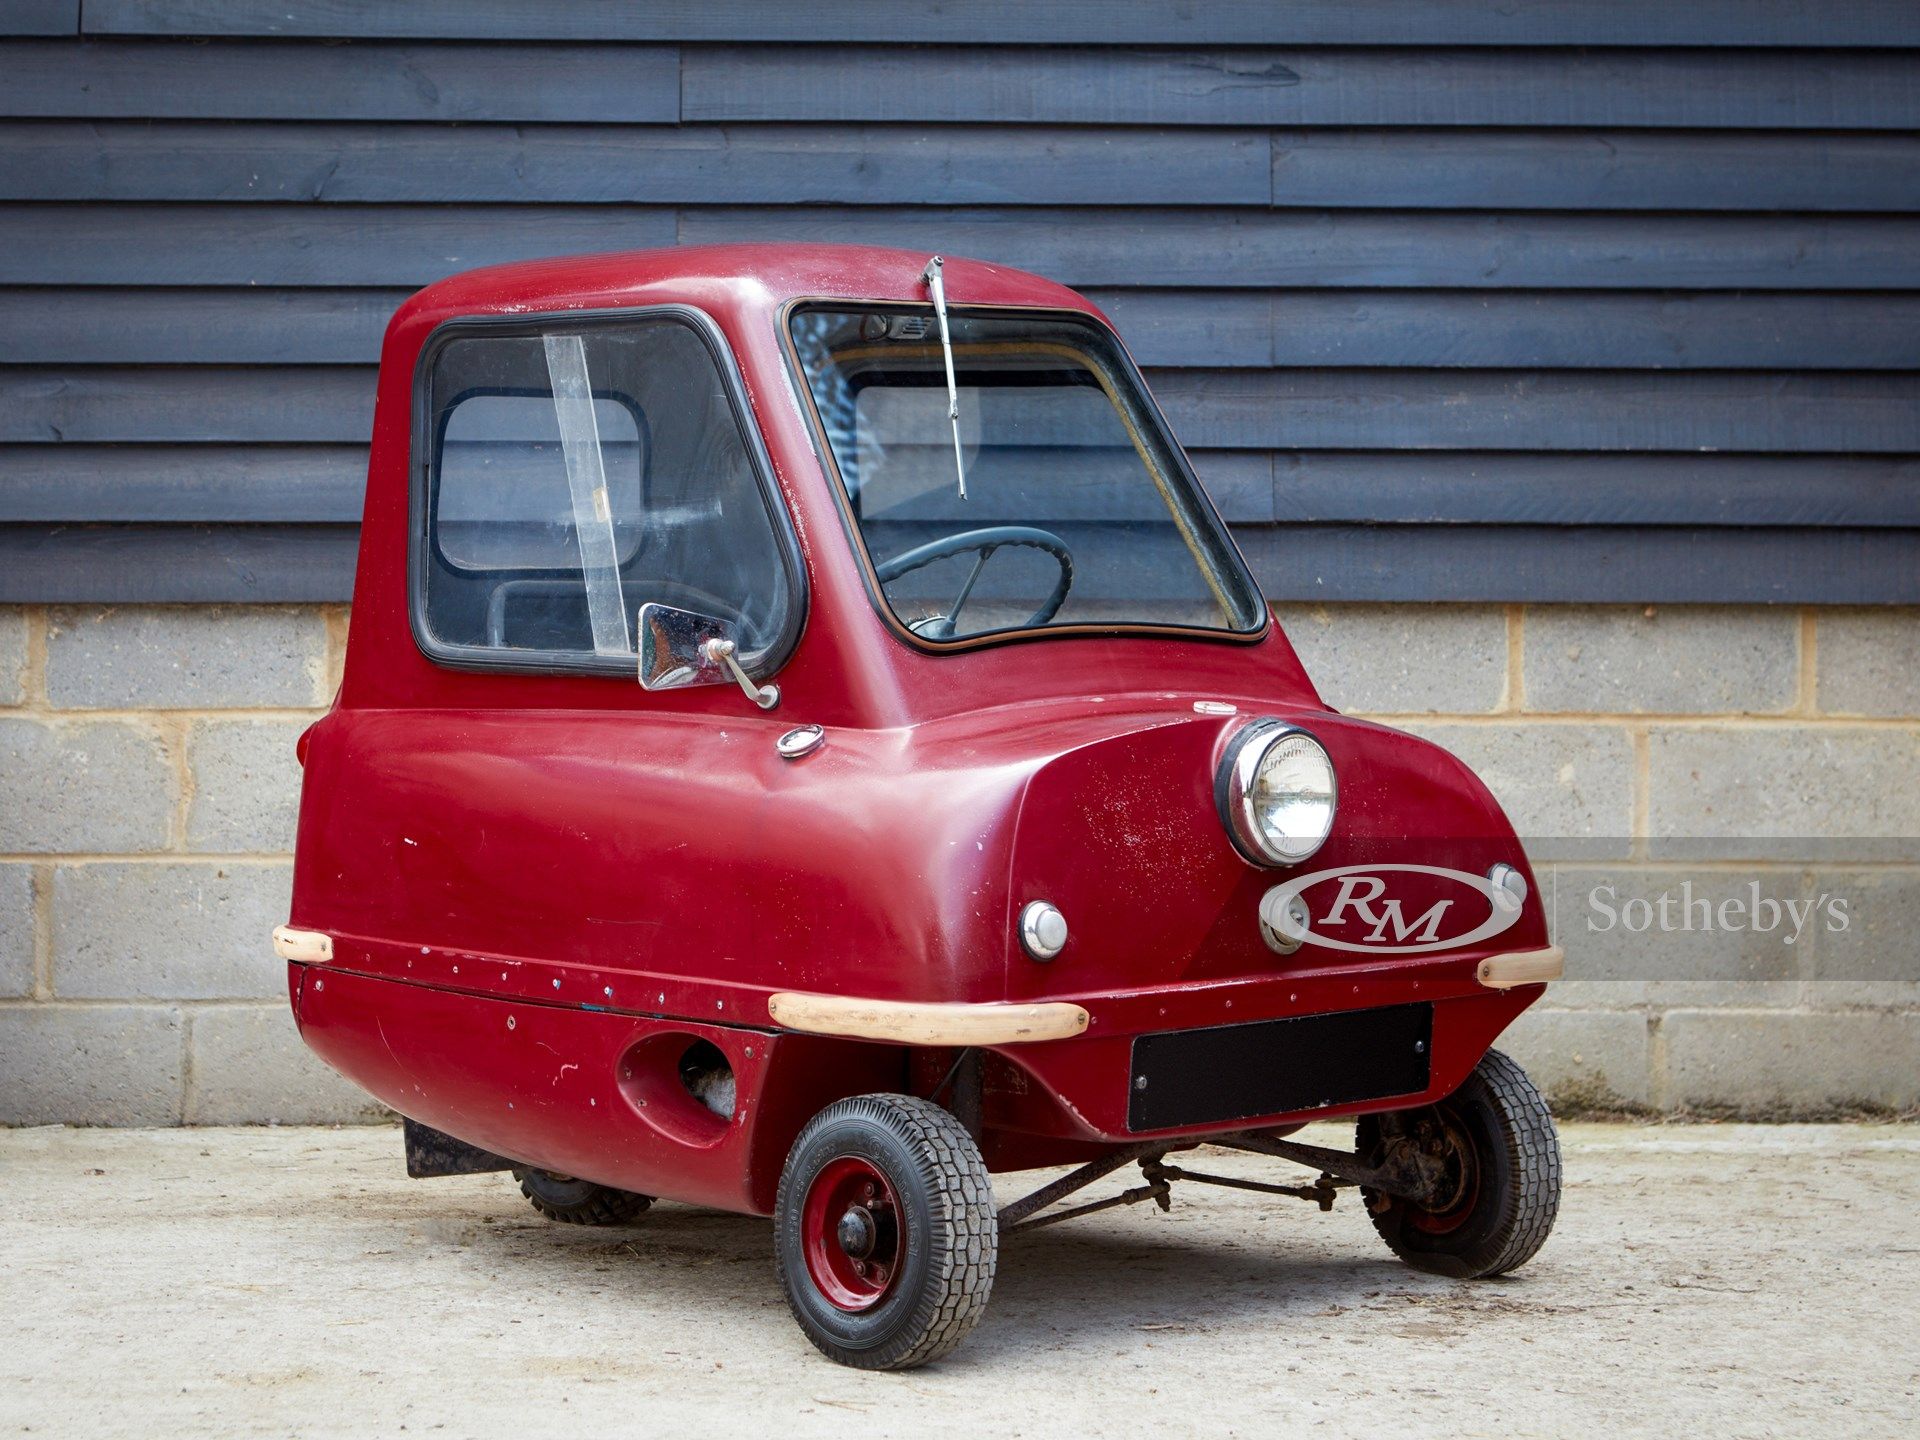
(1723, 1280)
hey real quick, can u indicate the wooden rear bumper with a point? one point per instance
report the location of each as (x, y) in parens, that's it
(907, 1023)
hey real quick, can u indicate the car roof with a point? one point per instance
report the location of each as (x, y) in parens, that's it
(763, 275)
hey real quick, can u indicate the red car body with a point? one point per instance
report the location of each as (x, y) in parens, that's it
(519, 898)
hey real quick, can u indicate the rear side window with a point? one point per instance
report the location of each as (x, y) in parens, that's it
(574, 472)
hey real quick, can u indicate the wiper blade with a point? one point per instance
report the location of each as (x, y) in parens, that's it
(931, 277)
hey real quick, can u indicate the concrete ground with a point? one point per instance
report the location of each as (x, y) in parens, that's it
(1727, 1280)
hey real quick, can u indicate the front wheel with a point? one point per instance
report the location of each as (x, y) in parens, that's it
(885, 1237)
(1495, 1157)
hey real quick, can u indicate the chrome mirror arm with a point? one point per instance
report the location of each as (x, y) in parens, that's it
(725, 653)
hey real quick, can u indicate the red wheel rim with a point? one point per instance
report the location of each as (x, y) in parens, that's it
(853, 1232)
(1460, 1181)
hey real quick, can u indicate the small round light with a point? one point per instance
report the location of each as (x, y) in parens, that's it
(1277, 793)
(1043, 930)
(1509, 887)
(1284, 927)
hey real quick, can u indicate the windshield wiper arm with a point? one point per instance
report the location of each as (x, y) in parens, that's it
(931, 277)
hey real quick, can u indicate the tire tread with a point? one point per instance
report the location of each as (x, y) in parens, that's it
(1536, 1146)
(960, 1193)
(604, 1205)
(1533, 1150)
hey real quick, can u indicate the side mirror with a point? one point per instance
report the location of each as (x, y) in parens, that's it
(679, 648)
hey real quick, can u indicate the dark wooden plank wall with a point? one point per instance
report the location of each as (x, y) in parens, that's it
(1610, 300)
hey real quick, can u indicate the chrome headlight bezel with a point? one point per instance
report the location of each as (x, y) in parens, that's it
(1235, 791)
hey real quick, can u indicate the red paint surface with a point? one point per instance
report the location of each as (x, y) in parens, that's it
(486, 847)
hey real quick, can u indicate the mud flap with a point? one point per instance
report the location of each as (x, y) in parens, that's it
(429, 1153)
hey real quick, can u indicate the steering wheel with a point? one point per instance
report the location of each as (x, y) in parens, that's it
(986, 541)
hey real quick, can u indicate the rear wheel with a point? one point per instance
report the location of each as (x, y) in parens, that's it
(885, 1238)
(1493, 1151)
(578, 1202)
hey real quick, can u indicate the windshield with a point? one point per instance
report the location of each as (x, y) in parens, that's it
(1076, 508)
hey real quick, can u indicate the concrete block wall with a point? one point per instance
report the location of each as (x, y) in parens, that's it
(1652, 749)
(148, 791)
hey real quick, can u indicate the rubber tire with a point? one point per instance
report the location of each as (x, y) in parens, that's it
(1518, 1152)
(578, 1202)
(953, 1236)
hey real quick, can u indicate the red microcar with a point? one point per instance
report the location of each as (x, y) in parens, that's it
(809, 743)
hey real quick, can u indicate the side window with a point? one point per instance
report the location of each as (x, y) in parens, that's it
(576, 473)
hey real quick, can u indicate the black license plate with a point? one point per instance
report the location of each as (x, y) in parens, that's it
(1273, 1067)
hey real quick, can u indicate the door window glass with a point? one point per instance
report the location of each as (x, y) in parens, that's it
(577, 473)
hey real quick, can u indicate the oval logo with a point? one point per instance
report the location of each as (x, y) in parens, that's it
(1370, 919)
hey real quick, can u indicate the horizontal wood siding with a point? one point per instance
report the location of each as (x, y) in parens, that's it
(1271, 410)
(252, 243)
(1600, 300)
(1057, 22)
(1502, 329)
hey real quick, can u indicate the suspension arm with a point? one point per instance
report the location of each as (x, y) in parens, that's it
(1401, 1175)
(1076, 1180)
(1321, 1191)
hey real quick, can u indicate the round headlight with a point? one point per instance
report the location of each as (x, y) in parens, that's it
(1276, 793)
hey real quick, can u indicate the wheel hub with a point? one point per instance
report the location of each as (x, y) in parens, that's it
(857, 1232)
(1453, 1170)
(853, 1233)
